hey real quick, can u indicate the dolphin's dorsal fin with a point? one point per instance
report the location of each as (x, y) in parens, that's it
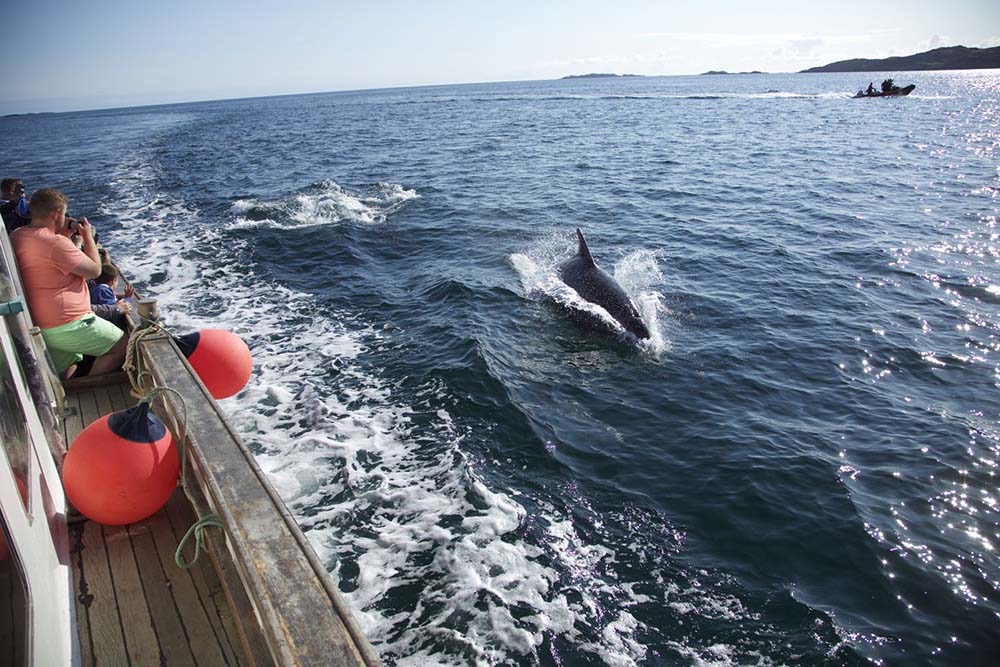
(583, 251)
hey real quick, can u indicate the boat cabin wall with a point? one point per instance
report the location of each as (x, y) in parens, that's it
(36, 613)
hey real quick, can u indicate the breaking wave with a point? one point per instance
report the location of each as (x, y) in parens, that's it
(325, 203)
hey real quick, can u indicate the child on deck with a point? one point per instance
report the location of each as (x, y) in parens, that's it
(102, 289)
(102, 295)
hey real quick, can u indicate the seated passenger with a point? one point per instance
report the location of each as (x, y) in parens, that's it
(102, 288)
(55, 273)
(12, 193)
(103, 299)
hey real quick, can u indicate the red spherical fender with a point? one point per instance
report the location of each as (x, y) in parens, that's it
(220, 358)
(122, 468)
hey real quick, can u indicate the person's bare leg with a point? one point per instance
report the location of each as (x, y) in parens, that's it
(68, 373)
(112, 360)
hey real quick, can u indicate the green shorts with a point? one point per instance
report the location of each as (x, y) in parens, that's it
(90, 335)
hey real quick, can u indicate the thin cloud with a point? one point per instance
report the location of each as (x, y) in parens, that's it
(590, 60)
(631, 59)
(731, 39)
(936, 41)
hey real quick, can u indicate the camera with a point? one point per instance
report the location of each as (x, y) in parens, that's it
(74, 227)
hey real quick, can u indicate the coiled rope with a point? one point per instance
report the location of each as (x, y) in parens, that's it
(138, 378)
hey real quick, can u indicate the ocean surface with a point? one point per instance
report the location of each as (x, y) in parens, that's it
(798, 468)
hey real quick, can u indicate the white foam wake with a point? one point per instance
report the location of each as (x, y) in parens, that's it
(325, 204)
(428, 555)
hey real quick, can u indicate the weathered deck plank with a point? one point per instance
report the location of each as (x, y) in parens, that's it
(202, 637)
(159, 598)
(88, 409)
(244, 616)
(137, 624)
(72, 424)
(207, 585)
(106, 640)
(81, 594)
(120, 398)
(103, 400)
(88, 382)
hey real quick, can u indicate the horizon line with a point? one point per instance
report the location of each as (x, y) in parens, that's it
(424, 85)
(329, 92)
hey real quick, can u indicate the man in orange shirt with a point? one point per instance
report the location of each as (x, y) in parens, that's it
(55, 272)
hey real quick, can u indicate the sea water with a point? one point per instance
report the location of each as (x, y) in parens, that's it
(799, 467)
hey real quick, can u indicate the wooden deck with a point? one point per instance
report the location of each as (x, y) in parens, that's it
(134, 605)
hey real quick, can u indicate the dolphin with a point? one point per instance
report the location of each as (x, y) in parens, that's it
(594, 285)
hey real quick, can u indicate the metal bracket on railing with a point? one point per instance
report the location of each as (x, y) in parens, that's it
(11, 307)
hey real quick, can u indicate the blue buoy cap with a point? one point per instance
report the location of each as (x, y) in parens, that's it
(187, 343)
(137, 424)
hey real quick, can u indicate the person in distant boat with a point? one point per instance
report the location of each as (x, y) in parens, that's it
(55, 273)
(887, 85)
(12, 194)
(871, 88)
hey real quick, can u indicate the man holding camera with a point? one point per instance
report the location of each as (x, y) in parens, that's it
(55, 272)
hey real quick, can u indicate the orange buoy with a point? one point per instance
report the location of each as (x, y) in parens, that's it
(220, 358)
(122, 468)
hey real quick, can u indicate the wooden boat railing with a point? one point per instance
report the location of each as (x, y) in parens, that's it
(277, 578)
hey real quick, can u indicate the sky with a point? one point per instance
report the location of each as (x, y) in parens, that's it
(70, 55)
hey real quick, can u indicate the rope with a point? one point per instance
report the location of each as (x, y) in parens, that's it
(198, 529)
(137, 375)
(133, 366)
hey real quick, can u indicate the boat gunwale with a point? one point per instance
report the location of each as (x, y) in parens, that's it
(258, 572)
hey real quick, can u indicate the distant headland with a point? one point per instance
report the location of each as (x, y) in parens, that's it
(599, 75)
(948, 57)
(722, 71)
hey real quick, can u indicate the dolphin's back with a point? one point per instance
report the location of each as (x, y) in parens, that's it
(583, 252)
(594, 285)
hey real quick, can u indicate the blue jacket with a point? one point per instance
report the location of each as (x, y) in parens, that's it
(102, 294)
